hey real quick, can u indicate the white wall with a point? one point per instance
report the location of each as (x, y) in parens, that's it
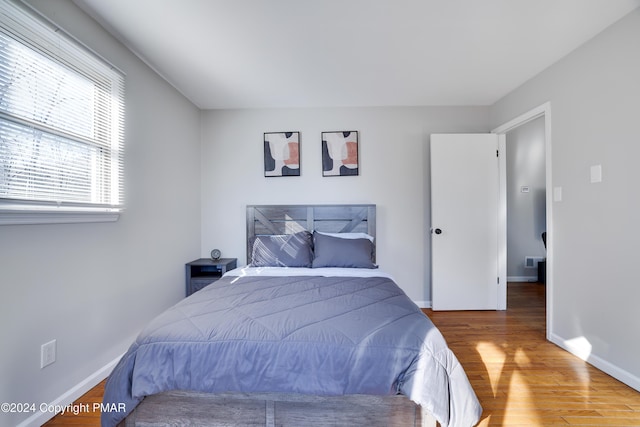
(394, 174)
(526, 215)
(93, 286)
(595, 104)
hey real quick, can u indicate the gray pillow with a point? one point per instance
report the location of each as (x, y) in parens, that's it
(283, 250)
(332, 251)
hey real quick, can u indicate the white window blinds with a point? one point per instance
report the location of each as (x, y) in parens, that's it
(61, 120)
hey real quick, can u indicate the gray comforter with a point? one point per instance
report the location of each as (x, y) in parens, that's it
(310, 335)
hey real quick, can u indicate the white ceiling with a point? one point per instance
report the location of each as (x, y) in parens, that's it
(330, 53)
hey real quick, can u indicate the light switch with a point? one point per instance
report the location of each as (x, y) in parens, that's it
(596, 173)
(557, 194)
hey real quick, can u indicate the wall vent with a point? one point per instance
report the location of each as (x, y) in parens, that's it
(532, 261)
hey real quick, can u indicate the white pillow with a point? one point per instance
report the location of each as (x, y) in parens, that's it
(348, 235)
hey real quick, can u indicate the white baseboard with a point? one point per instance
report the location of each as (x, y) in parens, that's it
(605, 366)
(522, 278)
(423, 304)
(40, 417)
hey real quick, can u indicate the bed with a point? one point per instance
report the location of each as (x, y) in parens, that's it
(311, 332)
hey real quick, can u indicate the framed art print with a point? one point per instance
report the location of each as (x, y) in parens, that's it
(339, 153)
(282, 154)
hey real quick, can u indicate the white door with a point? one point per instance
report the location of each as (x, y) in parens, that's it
(464, 221)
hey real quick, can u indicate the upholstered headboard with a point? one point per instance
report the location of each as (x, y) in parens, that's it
(289, 219)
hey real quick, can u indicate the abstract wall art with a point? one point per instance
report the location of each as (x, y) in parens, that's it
(339, 153)
(282, 154)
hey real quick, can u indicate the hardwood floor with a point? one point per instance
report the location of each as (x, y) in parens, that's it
(85, 418)
(520, 378)
(523, 380)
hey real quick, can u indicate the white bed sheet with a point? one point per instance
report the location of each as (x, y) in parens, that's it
(303, 271)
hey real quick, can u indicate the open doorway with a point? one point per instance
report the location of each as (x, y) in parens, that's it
(526, 203)
(543, 112)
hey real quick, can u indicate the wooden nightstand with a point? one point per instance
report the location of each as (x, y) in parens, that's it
(204, 271)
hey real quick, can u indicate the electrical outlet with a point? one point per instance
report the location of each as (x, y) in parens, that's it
(47, 353)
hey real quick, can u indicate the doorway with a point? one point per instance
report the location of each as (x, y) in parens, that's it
(543, 111)
(526, 202)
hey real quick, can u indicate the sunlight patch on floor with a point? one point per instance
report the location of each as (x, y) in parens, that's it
(493, 358)
(520, 408)
(506, 369)
(522, 359)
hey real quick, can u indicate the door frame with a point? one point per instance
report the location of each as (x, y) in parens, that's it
(543, 110)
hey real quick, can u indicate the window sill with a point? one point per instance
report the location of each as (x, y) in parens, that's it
(55, 216)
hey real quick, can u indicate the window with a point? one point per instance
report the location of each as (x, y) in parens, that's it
(61, 125)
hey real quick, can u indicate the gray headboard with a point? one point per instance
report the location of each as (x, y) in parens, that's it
(289, 219)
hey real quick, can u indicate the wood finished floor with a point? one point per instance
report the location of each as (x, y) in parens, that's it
(520, 378)
(523, 380)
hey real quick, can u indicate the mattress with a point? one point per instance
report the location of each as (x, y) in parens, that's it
(309, 332)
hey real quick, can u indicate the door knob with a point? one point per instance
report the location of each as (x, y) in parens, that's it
(437, 231)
